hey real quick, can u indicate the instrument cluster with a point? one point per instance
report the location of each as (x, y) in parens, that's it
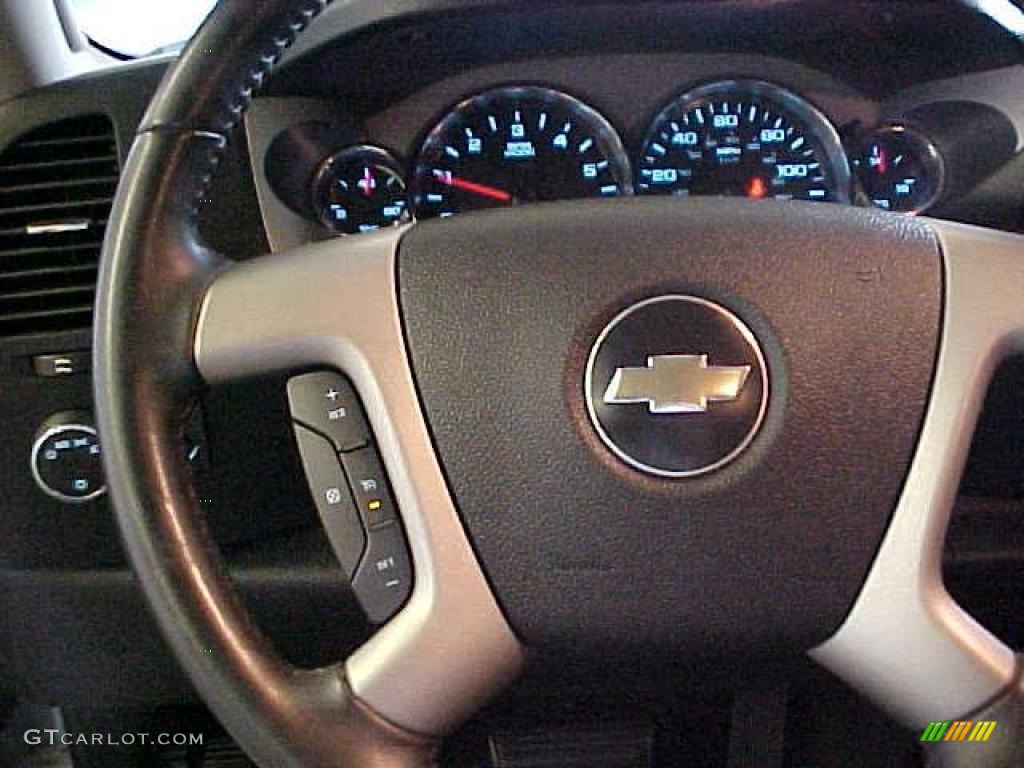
(521, 144)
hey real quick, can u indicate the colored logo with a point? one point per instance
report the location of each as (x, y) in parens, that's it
(959, 730)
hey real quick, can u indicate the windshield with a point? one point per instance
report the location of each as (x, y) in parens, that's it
(133, 28)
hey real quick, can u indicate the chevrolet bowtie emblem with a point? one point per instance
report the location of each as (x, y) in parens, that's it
(676, 384)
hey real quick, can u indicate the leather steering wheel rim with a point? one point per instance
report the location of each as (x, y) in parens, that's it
(154, 271)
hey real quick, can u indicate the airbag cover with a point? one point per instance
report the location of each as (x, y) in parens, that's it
(585, 551)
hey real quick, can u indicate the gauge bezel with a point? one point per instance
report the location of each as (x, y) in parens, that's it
(381, 157)
(618, 155)
(818, 125)
(931, 160)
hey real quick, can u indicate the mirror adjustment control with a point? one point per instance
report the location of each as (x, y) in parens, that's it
(383, 580)
(369, 487)
(332, 498)
(327, 403)
(66, 462)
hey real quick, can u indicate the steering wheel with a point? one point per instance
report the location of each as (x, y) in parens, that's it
(712, 424)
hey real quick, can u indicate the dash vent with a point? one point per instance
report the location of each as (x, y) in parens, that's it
(57, 184)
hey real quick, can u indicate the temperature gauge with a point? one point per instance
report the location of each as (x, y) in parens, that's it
(359, 189)
(900, 170)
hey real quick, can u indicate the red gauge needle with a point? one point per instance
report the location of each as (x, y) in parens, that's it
(883, 160)
(367, 183)
(471, 186)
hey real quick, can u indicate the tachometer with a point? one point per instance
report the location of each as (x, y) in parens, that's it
(517, 145)
(743, 138)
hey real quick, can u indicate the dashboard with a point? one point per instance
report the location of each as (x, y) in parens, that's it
(521, 142)
(535, 128)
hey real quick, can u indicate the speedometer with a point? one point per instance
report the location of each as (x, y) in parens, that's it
(744, 138)
(515, 145)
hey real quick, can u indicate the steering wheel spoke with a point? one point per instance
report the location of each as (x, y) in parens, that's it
(906, 644)
(334, 305)
(331, 302)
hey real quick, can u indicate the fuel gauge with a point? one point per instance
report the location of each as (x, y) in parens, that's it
(359, 189)
(900, 170)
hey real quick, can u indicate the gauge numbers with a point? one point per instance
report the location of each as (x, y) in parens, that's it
(517, 145)
(900, 170)
(743, 138)
(520, 144)
(359, 189)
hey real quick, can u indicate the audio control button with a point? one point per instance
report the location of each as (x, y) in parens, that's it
(326, 403)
